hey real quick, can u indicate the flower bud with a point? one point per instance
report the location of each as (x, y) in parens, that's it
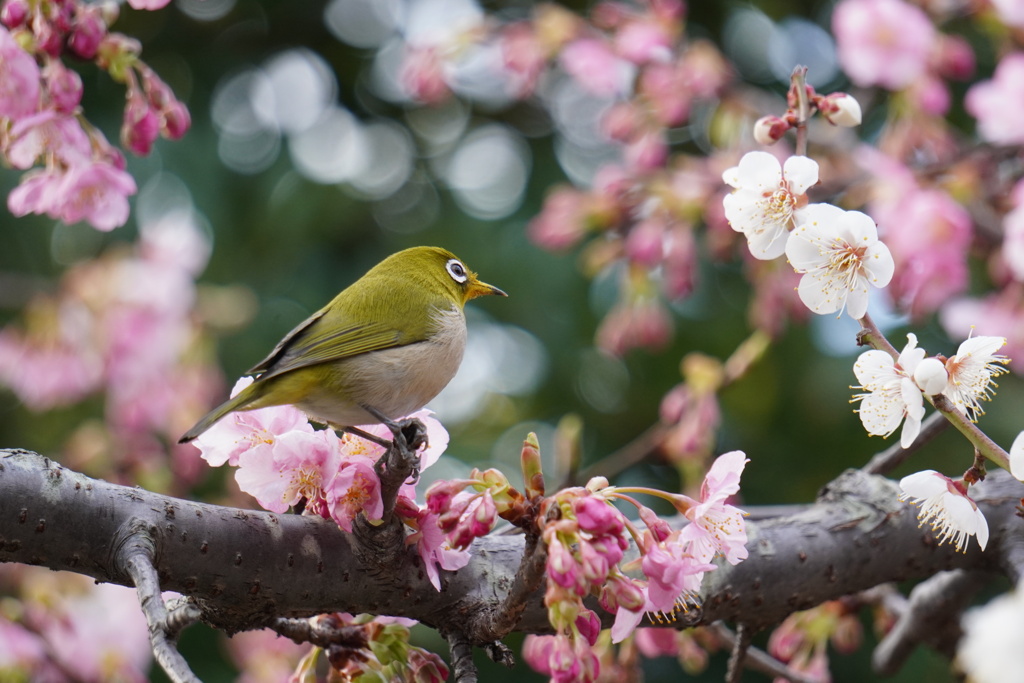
(931, 376)
(14, 13)
(769, 129)
(87, 32)
(530, 462)
(840, 109)
(141, 127)
(176, 120)
(64, 86)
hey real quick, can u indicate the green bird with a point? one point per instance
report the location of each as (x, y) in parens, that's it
(380, 350)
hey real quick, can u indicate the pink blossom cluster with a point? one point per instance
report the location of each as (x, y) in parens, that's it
(894, 44)
(123, 324)
(82, 176)
(283, 462)
(67, 622)
(384, 651)
(586, 543)
(802, 640)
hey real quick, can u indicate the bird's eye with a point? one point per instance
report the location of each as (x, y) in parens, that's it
(456, 270)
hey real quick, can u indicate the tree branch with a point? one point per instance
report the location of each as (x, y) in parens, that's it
(244, 569)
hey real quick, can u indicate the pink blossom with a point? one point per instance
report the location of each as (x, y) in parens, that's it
(657, 642)
(148, 4)
(997, 103)
(715, 526)
(239, 432)
(422, 75)
(672, 571)
(562, 221)
(100, 634)
(63, 86)
(594, 66)
(434, 549)
(667, 90)
(298, 465)
(928, 234)
(47, 375)
(354, 489)
(883, 42)
(644, 40)
(523, 56)
(644, 323)
(19, 79)
(96, 192)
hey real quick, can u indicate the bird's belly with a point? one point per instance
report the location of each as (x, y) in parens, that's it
(396, 382)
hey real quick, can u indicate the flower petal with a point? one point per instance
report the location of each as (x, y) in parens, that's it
(800, 173)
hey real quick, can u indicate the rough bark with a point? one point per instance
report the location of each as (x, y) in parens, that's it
(244, 568)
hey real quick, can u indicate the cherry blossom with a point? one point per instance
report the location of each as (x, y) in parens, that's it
(298, 465)
(997, 103)
(891, 394)
(883, 42)
(945, 505)
(839, 255)
(717, 528)
(19, 79)
(766, 199)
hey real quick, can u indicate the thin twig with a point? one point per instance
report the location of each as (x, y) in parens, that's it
(895, 455)
(740, 646)
(759, 660)
(135, 557)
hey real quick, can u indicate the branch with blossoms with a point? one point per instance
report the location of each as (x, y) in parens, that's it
(288, 568)
(74, 173)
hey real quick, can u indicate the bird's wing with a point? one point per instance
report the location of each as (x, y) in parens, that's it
(313, 342)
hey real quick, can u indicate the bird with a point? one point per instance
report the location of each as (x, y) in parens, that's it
(380, 350)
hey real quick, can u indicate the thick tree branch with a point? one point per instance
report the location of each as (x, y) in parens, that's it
(245, 569)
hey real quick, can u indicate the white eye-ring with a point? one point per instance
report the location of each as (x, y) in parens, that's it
(456, 270)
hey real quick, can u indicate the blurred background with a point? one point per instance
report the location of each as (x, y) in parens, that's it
(307, 163)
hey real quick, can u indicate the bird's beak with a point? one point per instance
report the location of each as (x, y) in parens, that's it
(477, 288)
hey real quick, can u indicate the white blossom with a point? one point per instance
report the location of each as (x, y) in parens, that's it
(931, 376)
(952, 515)
(1017, 457)
(766, 198)
(890, 397)
(992, 647)
(971, 371)
(840, 256)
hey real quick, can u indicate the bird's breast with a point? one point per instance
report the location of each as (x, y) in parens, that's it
(396, 381)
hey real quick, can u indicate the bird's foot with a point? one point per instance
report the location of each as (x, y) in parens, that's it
(409, 435)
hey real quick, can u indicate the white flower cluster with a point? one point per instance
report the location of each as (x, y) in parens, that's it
(837, 251)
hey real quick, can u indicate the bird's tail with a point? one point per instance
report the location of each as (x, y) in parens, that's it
(241, 401)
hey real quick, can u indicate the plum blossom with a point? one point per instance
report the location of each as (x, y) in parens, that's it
(992, 647)
(839, 255)
(890, 392)
(996, 103)
(767, 198)
(883, 42)
(971, 371)
(945, 505)
(1017, 457)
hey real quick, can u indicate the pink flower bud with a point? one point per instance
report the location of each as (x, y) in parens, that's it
(14, 13)
(840, 109)
(176, 120)
(596, 516)
(87, 32)
(620, 122)
(141, 127)
(644, 245)
(955, 57)
(561, 565)
(769, 129)
(48, 39)
(589, 626)
(64, 86)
